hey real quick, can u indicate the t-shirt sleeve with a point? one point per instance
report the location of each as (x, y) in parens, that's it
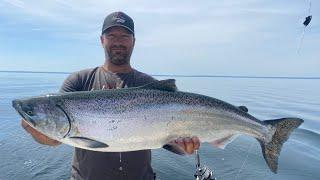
(143, 79)
(71, 83)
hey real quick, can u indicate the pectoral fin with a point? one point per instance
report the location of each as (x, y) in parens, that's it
(87, 142)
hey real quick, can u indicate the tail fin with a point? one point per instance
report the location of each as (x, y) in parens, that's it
(271, 150)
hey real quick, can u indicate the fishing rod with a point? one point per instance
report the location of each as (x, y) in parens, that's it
(202, 172)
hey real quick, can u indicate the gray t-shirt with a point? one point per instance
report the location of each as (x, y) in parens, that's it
(92, 165)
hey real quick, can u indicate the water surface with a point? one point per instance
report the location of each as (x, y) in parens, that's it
(23, 158)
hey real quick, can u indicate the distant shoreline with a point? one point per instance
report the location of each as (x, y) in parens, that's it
(184, 75)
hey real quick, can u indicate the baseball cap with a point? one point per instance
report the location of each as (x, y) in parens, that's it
(118, 19)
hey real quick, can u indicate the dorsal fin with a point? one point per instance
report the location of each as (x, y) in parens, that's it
(164, 85)
(243, 108)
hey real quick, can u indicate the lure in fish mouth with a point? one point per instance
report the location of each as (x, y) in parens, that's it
(149, 117)
(45, 114)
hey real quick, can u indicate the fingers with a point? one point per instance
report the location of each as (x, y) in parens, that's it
(196, 142)
(31, 130)
(26, 126)
(180, 142)
(188, 144)
(49, 141)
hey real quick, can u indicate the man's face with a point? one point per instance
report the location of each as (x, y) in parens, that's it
(118, 44)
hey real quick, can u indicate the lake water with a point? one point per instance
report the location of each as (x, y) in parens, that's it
(23, 158)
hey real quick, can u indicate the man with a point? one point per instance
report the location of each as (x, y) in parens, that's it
(118, 41)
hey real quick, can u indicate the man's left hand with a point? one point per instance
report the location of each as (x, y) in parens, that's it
(188, 144)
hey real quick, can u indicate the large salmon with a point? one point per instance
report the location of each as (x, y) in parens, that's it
(149, 117)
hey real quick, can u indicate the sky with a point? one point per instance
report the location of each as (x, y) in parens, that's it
(206, 37)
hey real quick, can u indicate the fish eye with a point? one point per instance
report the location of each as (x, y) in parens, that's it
(30, 113)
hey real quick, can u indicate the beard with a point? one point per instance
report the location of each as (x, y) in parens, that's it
(120, 56)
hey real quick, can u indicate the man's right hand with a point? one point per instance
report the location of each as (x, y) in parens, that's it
(39, 137)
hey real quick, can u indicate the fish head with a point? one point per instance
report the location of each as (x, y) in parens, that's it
(45, 114)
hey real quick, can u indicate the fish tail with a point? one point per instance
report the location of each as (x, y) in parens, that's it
(271, 150)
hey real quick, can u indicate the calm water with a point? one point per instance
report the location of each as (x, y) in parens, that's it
(22, 158)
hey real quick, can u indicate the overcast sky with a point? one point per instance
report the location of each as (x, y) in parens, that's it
(233, 37)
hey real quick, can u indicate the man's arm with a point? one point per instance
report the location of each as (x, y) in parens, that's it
(70, 84)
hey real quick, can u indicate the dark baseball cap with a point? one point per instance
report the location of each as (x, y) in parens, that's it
(118, 19)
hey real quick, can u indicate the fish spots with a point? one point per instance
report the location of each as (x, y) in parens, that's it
(168, 123)
(114, 121)
(112, 128)
(93, 122)
(113, 124)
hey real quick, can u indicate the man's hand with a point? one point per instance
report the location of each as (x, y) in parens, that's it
(188, 144)
(39, 137)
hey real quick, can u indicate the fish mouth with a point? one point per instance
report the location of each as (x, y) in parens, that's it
(18, 107)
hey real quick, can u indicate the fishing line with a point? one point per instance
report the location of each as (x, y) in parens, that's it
(301, 40)
(244, 161)
(309, 12)
(305, 23)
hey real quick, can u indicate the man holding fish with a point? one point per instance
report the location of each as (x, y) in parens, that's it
(118, 40)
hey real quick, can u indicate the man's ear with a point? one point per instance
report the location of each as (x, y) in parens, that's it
(102, 39)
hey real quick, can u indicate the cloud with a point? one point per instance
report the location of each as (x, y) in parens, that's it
(87, 16)
(16, 3)
(224, 30)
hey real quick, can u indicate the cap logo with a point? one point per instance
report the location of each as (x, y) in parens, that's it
(118, 20)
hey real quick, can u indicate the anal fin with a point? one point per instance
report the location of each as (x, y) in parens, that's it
(223, 142)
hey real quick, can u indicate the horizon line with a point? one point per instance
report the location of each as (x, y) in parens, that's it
(187, 75)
